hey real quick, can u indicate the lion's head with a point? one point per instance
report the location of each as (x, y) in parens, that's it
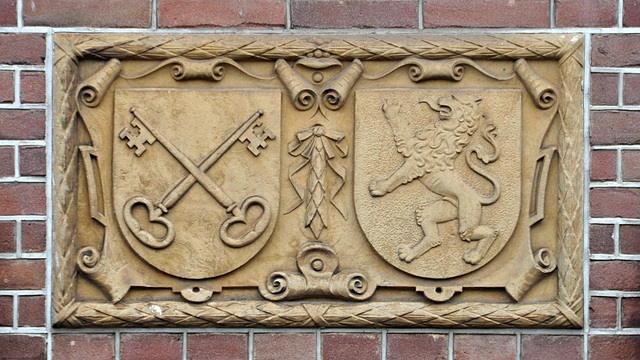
(458, 118)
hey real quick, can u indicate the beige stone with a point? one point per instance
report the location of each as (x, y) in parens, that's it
(318, 181)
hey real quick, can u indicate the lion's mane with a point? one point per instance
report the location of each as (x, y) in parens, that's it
(435, 147)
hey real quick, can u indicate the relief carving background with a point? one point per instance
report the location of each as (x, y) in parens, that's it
(360, 207)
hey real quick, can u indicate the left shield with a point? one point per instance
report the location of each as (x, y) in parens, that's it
(196, 176)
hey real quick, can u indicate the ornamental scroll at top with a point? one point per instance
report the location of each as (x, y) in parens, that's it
(318, 181)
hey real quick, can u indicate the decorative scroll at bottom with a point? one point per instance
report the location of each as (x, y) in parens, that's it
(544, 264)
(318, 264)
(109, 277)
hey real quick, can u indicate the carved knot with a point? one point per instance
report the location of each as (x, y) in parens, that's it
(318, 130)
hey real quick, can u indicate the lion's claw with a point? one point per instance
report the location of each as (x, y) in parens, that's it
(405, 253)
(391, 108)
(375, 188)
(466, 234)
(472, 257)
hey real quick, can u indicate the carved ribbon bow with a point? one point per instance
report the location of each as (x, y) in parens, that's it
(318, 147)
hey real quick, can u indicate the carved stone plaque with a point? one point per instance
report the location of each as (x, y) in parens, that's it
(341, 181)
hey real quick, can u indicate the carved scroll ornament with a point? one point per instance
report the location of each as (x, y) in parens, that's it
(306, 96)
(318, 264)
(450, 69)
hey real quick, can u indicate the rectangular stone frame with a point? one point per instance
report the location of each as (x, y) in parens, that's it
(565, 312)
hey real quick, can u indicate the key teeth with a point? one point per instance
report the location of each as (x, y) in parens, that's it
(270, 134)
(139, 138)
(256, 139)
(139, 152)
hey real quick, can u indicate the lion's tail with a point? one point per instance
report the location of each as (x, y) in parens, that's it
(488, 133)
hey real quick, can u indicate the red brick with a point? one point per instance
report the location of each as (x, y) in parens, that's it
(34, 236)
(6, 310)
(93, 13)
(31, 311)
(483, 13)
(631, 13)
(541, 347)
(615, 203)
(6, 84)
(603, 312)
(586, 13)
(600, 239)
(614, 347)
(22, 198)
(416, 347)
(22, 347)
(22, 49)
(284, 346)
(631, 312)
(604, 89)
(630, 165)
(354, 14)
(7, 237)
(83, 347)
(615, 127)
(603, 165)
(7, 168)
(33, 161)
(22, 124)
(350, 346)
(33, 89)
(151, 346)
(221, 13)
(629, 239)
(217, 347)
(615, 50)
(22, 274)
(467, 347)
(631, 89)
(615, 275)
(8, 15)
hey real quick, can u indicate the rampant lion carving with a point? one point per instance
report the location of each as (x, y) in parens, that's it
(429, 155)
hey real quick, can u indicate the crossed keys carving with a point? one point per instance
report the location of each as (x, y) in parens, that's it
(147, 134)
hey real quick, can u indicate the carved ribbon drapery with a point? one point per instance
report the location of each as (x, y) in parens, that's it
(318, 148)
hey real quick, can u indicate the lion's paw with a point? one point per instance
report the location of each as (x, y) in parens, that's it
(406, 253)
(376, 188)
(391, 108)
(472, 257)
(466, 234)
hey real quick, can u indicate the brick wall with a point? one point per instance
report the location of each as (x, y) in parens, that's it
(612, 241)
